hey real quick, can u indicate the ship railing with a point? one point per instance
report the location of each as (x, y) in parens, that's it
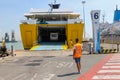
(53, 22)
(72, 21)
(28, 21)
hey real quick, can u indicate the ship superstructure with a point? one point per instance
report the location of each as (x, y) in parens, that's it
(53, 27)
(110, 32)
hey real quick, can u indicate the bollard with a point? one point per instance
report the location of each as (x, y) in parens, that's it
(12, 54)
(117, 47)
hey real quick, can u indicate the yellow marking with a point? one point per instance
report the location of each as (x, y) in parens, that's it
(33, 48)
(64, 47)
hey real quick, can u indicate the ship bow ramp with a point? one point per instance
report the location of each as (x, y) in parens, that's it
(50, 46)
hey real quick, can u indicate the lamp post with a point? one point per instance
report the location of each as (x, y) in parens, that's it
(83, 2)
(2, 35)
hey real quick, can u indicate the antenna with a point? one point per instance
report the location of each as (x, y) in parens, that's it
(54, 6)
(103, 17)
(54, 1)
(13, 36)
(116, 7)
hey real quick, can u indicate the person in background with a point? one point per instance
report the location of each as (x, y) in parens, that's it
(3, 47)
(77, 53)
(71, 43)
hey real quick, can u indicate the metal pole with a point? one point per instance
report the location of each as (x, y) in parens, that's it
(54, 1)
(112, 40)
(83, 2)
(117, 47)
(12, 54)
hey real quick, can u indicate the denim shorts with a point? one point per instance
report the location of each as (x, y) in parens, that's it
(77, 60)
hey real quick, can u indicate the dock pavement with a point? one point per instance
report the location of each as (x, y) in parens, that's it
(47, 65)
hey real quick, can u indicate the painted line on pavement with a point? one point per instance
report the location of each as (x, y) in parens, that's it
(109, 71)
(47, 64)
(112, 64)
(35, 75)
(105, 67)
(19, 76)
(93, 71)
(49, 77)
(112, 61)
(70, 65)
(107, 77)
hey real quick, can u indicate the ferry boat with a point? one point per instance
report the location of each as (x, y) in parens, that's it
(54, 27)
(110, 32)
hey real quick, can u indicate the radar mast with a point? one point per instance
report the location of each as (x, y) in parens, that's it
(54, 6)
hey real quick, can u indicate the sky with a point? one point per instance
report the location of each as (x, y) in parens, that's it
(12, 12)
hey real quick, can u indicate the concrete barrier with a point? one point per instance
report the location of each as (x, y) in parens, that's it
(105, 51)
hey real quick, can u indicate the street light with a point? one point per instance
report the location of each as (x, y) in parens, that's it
(83, 2)
(2, 36)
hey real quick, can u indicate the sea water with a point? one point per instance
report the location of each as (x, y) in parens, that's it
(16, 45)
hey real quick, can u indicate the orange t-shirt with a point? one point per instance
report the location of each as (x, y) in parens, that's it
(77, 50)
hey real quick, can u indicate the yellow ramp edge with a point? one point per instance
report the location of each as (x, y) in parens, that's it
(33, 48)
(65, 47)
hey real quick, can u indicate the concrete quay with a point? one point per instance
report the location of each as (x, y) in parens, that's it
(45, 65)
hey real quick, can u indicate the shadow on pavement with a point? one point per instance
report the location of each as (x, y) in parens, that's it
(48, 56)
(32, 64)
(69, 74)
(37, 60)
